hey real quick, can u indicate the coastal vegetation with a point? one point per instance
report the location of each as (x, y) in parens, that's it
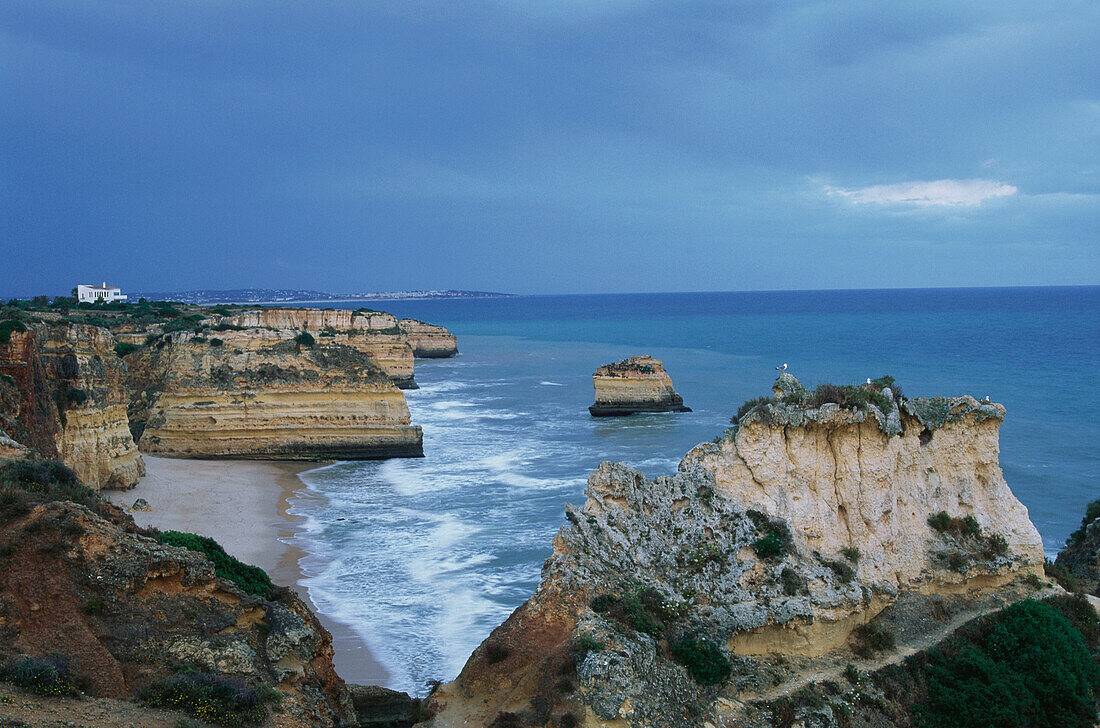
(218, 699)
(774, 540)
(251, 579)
(1028, 665)
(39, 675)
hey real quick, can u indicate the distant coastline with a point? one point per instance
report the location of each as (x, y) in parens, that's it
(280, 296)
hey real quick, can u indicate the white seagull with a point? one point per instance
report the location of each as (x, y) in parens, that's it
(782, 368)
(986, 398)
(868, 380)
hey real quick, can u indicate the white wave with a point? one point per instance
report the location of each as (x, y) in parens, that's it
(551, 384)
(447, 385)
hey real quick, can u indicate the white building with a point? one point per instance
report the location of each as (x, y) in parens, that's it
(91, 294)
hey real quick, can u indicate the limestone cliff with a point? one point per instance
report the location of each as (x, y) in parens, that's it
(65, 397)
(390, 344)
(637, 384)
(83, 583)
(258, 394)
(664, 597)
(428, 341)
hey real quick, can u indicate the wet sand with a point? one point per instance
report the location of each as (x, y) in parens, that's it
(242, 504)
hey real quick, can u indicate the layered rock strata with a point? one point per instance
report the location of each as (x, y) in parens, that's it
(64, 396)
(780, 538)
(124, 611)
(428, 341)
(391, 344)
(258, 394)
(637, 384)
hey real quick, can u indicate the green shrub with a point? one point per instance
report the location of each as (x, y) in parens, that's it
(8, 327)
(76, 397)
(123, 348)
(43, 481)
(220, 311)
(584, 644)
(851, 553)
(644, 610)
(93, 605)
(305, 339)
(867, 640)
(41, 676)
(698, 558)
(705, 661)
(210, 698)
(768, 547)
(854, 397)
(1062, 575)
(216, 342)
(843, 571)
(793, 582)
(1025, 666)
(940, 521)
(251, 579)
(750, 406)
(1092, 512)
(776, 540)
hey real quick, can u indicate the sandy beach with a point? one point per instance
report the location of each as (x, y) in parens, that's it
(242, 504)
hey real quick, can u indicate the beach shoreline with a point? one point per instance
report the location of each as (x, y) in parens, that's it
(244, 505)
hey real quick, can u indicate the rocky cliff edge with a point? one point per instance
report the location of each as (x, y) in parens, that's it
(667, 600)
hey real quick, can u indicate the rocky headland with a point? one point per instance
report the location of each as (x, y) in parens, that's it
(637, 384)
(91, 385)
(258, 394)
(821, 526)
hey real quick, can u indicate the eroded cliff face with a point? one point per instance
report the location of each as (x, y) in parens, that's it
(377, 334)
(68, 401)
(664, 597)
(259, 394)
(428, 341)
(637, 384)
(124, 610)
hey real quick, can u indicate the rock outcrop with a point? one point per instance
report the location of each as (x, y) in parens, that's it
(637, 384)
(1081, 555)
(428, 341)
(391, 344)
(664, 597)
(259, 394)
(82, 582)
(64, 396)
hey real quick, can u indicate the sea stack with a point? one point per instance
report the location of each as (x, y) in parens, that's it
(637, 384)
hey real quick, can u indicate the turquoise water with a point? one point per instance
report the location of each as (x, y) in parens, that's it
(423, 558)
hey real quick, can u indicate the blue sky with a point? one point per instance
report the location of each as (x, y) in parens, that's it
(543, 146)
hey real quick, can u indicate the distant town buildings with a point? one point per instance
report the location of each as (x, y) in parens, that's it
(91, 294)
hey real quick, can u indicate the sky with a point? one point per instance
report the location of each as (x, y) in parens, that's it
(548, 146)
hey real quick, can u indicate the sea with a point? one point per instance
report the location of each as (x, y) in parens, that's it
(422, 558)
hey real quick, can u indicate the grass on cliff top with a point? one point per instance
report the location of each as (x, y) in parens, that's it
(26, 483)
(847, 396)
(1031, 665)
(211, 698)
(251, 579)
(41, 676)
